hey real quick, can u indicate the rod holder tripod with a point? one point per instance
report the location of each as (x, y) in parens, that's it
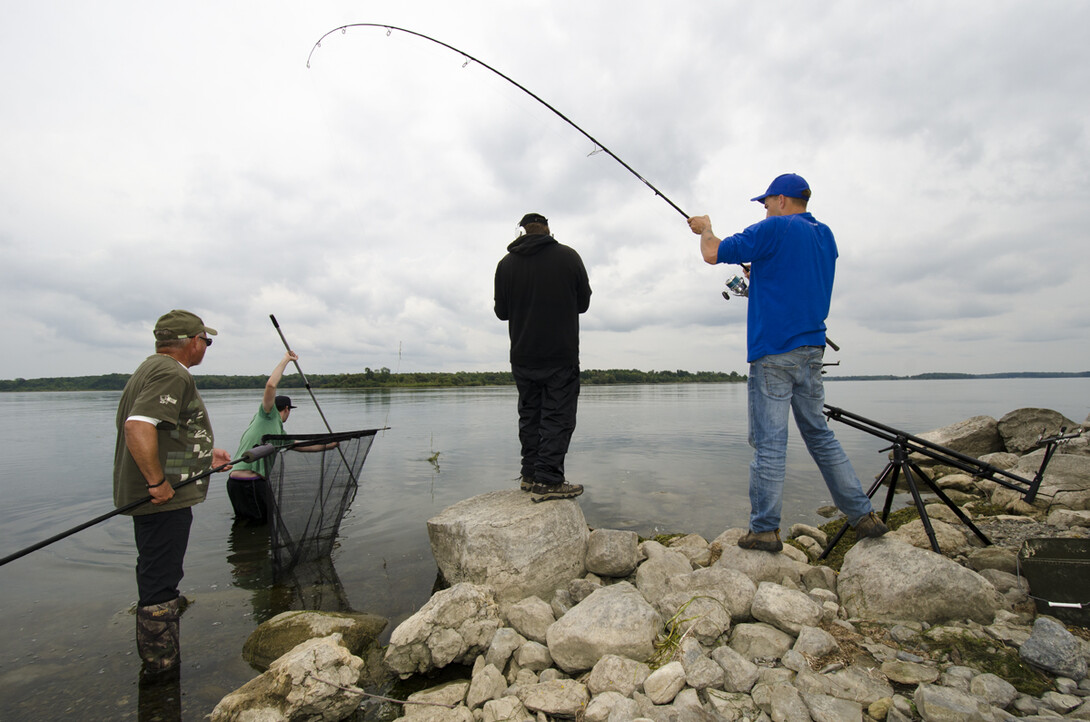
(901, 464)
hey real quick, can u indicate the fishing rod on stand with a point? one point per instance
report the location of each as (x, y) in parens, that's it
(251, 455)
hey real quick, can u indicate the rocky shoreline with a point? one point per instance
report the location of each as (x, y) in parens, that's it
(548, 620)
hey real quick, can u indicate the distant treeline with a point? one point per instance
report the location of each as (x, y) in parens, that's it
(375, 379)
(943, 376)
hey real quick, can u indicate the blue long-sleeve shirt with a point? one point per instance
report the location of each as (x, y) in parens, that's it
(793, 260)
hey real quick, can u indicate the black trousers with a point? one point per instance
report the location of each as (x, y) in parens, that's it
(249, 499)
(161, 541)
(548, 400)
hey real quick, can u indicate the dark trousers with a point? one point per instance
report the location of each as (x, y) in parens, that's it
(161, 541)
(548, 398)
(249, 499)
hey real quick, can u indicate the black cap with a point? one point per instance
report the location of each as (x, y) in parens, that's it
(284, 402)
(533, 218)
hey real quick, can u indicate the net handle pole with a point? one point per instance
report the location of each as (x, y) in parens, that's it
(313, 398)
(253, 454)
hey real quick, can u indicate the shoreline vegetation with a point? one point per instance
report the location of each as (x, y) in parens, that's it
(384, 378)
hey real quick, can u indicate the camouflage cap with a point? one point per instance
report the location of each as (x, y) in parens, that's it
(180, 324)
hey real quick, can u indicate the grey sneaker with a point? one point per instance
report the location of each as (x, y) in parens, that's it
(526, 483)
(765, 541)
(545, 492)
(870, 526)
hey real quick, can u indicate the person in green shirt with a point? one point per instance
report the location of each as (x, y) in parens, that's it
(248, 486)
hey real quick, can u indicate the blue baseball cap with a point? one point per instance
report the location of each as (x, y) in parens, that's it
(788, 184)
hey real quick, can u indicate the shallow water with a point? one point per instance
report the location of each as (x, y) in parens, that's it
(653, 458)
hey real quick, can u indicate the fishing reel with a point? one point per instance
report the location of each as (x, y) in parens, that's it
(737, 285)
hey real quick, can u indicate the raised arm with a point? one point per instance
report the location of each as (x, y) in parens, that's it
(269, 399)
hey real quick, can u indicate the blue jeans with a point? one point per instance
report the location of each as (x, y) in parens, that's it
(792, 381)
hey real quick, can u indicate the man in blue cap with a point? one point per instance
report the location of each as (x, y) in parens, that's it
(793, 259)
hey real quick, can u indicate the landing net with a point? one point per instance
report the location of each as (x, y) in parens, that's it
(311, 484)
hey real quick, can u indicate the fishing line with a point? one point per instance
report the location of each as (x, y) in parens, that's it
(598, 146)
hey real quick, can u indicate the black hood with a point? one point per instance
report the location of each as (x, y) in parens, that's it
(530, 244)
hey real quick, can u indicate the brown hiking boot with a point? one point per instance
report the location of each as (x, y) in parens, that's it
(870, 526)
(526, 483)
(765, 541)
(545, 492)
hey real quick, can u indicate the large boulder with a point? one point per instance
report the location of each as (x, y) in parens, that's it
(889, 580)
(1066, 480)
(283, 632)
(974, 437)
(503, 539)
(306, 683)
(1021, 428)
(613, 620)
(455, 625)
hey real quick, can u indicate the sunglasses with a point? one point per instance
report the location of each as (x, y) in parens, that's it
(207, 341)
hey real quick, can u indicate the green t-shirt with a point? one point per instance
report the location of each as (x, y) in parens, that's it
(164, 389)
(262, 423)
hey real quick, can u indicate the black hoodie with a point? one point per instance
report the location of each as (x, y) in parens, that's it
(541, 288)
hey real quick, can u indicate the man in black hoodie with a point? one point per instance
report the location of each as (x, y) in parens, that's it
(541, 288)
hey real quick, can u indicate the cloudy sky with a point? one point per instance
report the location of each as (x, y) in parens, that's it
(157, 156)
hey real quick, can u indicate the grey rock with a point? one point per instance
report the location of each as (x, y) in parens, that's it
(787, 704)
(279, 635)
(1054, 649)
(534, 656)
(884, 579)
(292, 686)
(455, 625)
(612, 553)
(531, 618)
(652, 576)
(824, 708)
(700, 671)
(996, 690)
(853, 683)
(614, 620)
(786, 609)
(504, 540)
(487, 684)
(505, 709)
(819, 577)
(580, 589)
(601, 705)
(974, 437)
(760, 641)
(662, 685)
(1021, 428)
(739, 673)
(942, 704)
(815, 642)
(556, 698)
(992, 557)
(732, 705)
(910, 673)
(504, 643)
(613, 673)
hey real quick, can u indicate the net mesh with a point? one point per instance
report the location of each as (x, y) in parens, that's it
(311, 484)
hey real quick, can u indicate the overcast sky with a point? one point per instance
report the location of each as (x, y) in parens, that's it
(157, 156)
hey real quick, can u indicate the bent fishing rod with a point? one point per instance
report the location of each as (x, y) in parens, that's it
(258, 452)
(597, 144)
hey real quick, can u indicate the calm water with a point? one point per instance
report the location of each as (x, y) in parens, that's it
(653, 459)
